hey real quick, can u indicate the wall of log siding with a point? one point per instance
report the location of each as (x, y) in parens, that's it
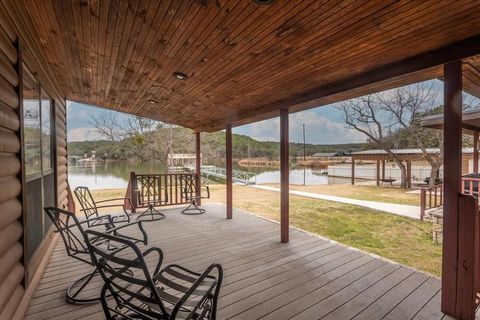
(18, 281)
(61, 154)
(12, 269)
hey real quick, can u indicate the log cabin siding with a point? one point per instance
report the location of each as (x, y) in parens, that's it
(12, 269)
(61, 154)
(17, 280)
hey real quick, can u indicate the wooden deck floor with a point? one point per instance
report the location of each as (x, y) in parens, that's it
(309, 278)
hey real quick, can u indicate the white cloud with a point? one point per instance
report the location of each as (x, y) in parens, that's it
(84, 134)
(319, 129)
(267, 130)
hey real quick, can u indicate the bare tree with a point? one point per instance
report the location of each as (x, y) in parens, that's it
(108, 125)
(393, 116)
(409, 105)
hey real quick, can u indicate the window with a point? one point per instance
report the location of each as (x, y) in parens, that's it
(32, 126)
(46, 116)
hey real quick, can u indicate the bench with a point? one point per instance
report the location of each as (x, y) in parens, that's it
(391, 181)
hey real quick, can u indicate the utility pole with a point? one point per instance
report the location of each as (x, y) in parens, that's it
(304, 157)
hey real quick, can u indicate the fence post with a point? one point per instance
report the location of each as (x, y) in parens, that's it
(133, 190)
(423, 202)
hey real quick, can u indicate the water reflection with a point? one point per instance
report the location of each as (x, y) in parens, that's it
(109, 174)
(115, 174)
(298, 176)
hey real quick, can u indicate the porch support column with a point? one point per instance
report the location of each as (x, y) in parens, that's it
(378, 173)
(452, 144)
(475, 152)
(198, 165)
(229, 170)
(353, 171)
(284, 179)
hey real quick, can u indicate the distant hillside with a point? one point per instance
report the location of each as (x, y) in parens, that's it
(213, 144)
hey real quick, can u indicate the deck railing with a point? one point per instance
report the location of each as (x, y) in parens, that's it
(160, 189)
(430, 197)
(470, 185)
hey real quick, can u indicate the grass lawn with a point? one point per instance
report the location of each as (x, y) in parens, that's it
(397, 238)
(371, 193)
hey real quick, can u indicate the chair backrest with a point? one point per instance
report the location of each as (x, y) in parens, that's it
(86, 201)
(138, 294)
(71, 231)
(127, 277)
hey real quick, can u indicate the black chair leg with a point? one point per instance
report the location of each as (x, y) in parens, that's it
(76, 288)
(151, 214)
(193, 209)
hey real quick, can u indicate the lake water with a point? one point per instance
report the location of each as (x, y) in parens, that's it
(115, 174)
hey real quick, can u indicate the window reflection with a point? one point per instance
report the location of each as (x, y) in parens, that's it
(31, 119)
(46, 111)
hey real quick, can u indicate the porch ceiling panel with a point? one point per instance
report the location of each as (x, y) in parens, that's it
(244, 61)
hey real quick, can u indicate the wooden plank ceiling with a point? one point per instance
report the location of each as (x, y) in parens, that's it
(243, 60)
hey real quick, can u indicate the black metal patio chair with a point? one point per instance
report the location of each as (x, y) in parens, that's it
(171, 293)
(192, 194)
(73, 235)
(90, 207)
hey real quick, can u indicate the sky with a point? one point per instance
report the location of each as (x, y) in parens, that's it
(323, 125)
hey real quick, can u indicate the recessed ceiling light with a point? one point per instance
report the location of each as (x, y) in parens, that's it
(152, 101)
(180, 75)
(264, 2)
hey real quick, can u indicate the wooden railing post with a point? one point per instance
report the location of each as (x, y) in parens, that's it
(133, 190)
(423, 202)
(467, 265)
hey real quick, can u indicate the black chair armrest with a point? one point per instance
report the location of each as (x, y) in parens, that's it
(160, 259)
(107, 224)
(115, 232)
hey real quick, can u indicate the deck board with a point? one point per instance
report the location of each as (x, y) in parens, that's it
(308, 278)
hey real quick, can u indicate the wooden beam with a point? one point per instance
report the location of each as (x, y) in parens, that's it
(198, 165)
(229, 170)
(284, 177)
(475, 152)
(452, 143)
(353, 172)
(378, 173)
